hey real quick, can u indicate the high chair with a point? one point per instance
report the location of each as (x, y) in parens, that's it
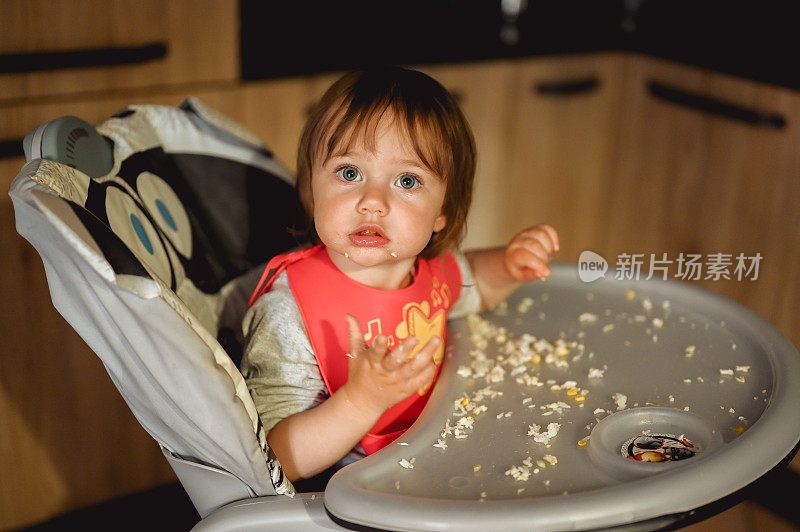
(153, 228)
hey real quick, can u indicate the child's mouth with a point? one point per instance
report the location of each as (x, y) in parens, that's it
(368, 236)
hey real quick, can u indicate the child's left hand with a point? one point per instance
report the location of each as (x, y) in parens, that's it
(528, 254)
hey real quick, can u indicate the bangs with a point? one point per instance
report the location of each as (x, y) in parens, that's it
(360, 121)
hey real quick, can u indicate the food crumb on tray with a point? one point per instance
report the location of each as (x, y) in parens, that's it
(408, 464)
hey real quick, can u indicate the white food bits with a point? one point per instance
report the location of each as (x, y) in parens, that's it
(467, 422)
(543, 437)
(647, 304)
(441, 444)
(550, 459)
(608, 327)
(520, 473)
(524, 305)
(620, 400)
(595, 373)
(497, 374)
(408, 464)
(557, 407)
(689, 352)
(726, 371)
(587, 317)
(658, 323)
(518, 371)
(743, 369)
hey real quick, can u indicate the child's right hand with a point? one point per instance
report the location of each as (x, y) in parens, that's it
(379, 378)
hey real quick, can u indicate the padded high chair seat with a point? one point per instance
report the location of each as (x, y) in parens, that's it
(152, 228)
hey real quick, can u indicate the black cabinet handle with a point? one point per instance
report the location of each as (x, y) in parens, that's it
(716, 107)
(40, 61)
(567, 87)
(11, 148)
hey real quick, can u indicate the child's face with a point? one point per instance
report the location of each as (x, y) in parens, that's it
(377, 207)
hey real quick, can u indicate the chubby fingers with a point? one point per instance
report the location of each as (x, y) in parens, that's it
(355, 335)
(399, 355)
(422, 367)
(529, 252)
(543, 234)
(356, 340)
(526, 263)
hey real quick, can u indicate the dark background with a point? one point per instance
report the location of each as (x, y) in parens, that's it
(755, 40)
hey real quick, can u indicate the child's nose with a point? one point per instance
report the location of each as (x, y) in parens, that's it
(373, 201)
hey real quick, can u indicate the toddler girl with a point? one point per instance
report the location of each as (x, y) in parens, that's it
(344, 339)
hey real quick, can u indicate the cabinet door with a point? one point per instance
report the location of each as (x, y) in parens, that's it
(180, 41)
(693, 178)
(559, 145)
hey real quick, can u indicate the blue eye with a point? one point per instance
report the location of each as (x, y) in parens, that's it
(407, 182)
(349, 173)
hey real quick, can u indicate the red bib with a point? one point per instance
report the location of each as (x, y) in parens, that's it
(324, 295)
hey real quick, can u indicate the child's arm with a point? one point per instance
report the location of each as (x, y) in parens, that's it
(499, 271)
(309, 442)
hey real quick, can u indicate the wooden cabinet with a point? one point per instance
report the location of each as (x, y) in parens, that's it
(560, 147)
(177, 42)
(694, 181)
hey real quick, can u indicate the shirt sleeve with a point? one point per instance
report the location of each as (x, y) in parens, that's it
(469, 300)
(278, 363)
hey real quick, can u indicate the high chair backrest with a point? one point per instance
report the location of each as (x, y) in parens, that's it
(152, 227)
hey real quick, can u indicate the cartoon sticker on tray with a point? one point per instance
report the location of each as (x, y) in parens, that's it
(658, 448)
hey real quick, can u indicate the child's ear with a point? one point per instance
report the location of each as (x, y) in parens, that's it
(440, 222)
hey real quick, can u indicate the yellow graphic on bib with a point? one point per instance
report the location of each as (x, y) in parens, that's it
(417, 321)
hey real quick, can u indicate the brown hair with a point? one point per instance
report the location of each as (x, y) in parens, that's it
(353, 107)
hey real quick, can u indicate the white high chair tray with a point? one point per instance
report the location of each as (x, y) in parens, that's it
(690, 363)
